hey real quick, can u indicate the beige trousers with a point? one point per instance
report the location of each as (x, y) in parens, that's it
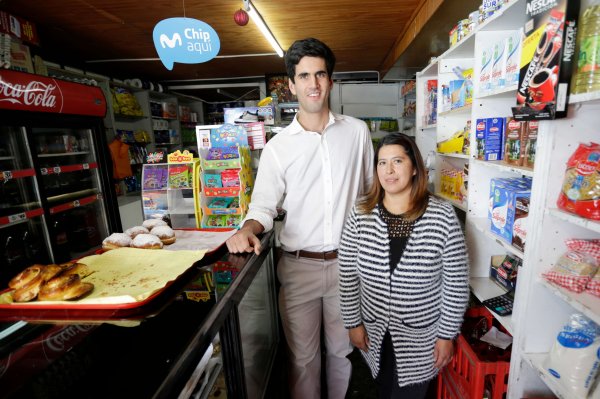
(309, 301)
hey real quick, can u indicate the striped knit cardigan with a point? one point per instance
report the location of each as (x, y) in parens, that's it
(423, 300)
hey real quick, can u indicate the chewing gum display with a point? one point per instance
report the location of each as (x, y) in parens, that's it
(547, 58)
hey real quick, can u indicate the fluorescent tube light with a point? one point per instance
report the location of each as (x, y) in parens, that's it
(256, 17)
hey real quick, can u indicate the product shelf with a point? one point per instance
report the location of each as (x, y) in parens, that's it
(536, 361)
(574, 219)
(485, 288)
(501, 166)
(483, 225)
(457, 111)
(498, 92)
(454, 202)
(453, 155)
(584, 302)
(584, 97)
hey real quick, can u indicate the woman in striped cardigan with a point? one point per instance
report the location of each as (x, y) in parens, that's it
(403, 274)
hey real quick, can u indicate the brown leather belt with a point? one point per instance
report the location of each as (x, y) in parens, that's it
(328, 255)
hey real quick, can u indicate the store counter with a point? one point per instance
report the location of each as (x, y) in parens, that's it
(182, 347)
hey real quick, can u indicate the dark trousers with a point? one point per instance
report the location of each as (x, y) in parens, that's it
(387, 379)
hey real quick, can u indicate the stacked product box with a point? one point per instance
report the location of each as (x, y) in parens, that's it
(547, 59)
(499, 68)
(489, 137)
(520, 138)
(509, 209)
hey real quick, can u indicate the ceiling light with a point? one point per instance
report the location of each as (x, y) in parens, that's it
(258, 20)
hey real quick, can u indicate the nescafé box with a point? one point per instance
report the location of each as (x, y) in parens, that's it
(547, 59)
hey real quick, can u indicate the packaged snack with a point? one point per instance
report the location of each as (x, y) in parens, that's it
(577, 266)
(230, 178)
(179, 176)
(220, 153)
(220, 203)
(212, 180)
(215, 221)
(573, 360)
(580, 193)
(235, 203)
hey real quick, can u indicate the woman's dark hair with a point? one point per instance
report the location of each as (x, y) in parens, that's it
(310, 47)
(419, 197)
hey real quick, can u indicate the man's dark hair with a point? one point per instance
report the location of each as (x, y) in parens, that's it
(310, 47)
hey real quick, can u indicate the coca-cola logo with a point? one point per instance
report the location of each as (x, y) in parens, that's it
(33, 93)
(58, 341)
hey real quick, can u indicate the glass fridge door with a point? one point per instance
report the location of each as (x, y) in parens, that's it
(24, 240)
(70, 182)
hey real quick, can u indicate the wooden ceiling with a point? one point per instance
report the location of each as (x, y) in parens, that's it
(81, 32)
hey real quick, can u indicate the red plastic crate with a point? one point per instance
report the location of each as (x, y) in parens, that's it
(464, 377)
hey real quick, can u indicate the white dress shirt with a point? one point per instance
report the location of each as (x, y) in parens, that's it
(319, 176)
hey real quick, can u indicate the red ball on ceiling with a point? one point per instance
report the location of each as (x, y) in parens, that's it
(241, 17)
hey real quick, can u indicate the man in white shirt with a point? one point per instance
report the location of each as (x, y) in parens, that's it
(319, 164)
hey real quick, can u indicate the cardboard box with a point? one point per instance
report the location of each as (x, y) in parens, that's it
(514, 142)
(547, 58)
(531, 143)
(505, 269)
(489, 137)
(509, 202)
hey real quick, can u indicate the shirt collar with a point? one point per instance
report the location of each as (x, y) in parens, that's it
(295, 127)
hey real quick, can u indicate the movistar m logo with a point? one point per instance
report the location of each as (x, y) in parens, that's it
(175, 40)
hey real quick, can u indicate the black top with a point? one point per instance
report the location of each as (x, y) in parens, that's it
(399, 230)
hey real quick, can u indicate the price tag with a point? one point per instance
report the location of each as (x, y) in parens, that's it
(17, 217)
(86, 166)
(44, 171)
(76, 203)
(56, 169)
(6, 175)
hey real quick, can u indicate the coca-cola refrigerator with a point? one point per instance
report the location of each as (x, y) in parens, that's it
(57, 199)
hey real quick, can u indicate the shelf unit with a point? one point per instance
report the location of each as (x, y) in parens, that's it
(540, 308)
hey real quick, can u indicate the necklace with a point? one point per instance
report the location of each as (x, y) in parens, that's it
(397, 225)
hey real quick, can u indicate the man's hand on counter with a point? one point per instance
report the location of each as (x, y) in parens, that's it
(245, 240)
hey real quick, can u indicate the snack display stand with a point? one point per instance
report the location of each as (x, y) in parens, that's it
(226, 177)
(171, 190)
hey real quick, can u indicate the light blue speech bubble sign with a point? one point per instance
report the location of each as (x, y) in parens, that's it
(185, 40)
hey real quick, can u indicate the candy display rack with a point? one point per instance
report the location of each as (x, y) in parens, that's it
(226, 177)
(172, 190)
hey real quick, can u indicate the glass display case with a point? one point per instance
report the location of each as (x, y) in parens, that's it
(180, 348)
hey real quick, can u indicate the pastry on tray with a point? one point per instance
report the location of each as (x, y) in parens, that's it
(164, 233)
(147, 241)
(116, 240)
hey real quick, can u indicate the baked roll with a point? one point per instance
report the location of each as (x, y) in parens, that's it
(164, 233)
(135, 230)
(116, 240)
(147, 241)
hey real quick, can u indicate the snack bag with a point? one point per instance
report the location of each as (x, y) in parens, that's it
(573, 360)
(230, 178)
(577, 266)
(580, 193)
